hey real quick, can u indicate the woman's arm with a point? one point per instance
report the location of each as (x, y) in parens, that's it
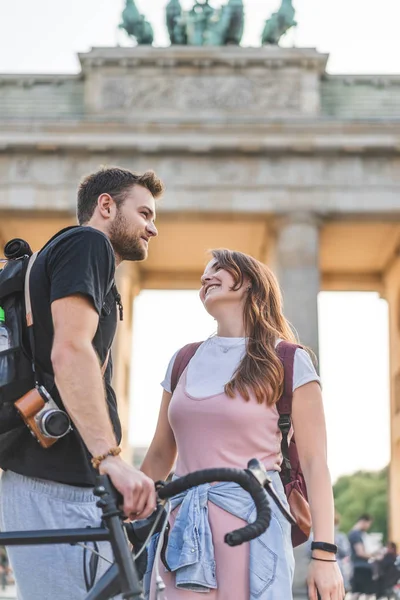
(161, 455)
(310, 430)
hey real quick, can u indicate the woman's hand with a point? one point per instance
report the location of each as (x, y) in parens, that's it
(327, 579)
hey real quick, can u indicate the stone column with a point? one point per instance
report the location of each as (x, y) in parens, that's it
(128, 283)
(392, 294)
(296, 262)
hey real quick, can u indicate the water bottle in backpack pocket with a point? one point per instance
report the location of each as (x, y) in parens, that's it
(7, 366)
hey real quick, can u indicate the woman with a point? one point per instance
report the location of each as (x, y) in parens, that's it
(221, 414)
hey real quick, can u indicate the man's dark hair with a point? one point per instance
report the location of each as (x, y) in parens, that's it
(365, 517)
(116, 182)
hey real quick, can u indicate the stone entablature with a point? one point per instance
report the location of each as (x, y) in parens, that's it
(361, 97)
(211, 183)
(200, 83)
(222, 122)
(41, 98)
(269, 57)
(294, 137)
(203, 84)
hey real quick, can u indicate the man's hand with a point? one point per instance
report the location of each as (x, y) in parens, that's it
(136, 488)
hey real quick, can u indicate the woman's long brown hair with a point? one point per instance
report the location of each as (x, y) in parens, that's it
(261, 370)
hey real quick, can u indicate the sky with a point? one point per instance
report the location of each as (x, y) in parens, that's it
(360, 36)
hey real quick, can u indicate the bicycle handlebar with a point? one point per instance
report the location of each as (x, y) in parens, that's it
(246, 479)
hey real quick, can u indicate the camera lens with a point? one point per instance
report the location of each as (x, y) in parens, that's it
(55, 423)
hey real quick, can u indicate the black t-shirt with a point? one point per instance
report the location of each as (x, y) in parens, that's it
(356, 537)
(78, 261)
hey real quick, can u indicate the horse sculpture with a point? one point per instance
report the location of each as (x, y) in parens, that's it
(279, 23)
(135, 24)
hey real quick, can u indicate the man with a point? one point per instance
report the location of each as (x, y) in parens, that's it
(74, 305)
(362, 582)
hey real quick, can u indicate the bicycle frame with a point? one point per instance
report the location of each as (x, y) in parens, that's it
(117, 579)
(122, 577)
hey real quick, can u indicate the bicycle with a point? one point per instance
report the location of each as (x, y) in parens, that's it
(122, 577)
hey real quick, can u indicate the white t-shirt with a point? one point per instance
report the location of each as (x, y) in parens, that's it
(217, 359)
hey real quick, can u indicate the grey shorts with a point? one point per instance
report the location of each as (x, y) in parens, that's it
(56, 571)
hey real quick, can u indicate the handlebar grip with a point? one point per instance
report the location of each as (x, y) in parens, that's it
(245, 479)
(253, 530)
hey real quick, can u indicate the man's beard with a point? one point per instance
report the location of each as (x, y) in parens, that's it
(126, 245)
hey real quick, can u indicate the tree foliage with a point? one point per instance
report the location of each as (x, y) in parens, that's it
(363, 492)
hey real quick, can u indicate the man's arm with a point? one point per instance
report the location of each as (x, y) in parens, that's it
(80, 383)
(359, 549)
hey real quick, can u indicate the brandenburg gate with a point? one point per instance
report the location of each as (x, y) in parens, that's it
(261, 151)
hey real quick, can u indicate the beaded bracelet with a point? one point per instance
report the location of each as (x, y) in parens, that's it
(323, 559)
(96, 460)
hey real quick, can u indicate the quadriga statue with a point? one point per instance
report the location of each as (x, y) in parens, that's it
(204, 25)
(279, 23)
(176, 23)
(135, 24)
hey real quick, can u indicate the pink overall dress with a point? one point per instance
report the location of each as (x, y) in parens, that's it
(218, 431)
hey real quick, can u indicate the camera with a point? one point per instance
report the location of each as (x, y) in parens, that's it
(46, 421)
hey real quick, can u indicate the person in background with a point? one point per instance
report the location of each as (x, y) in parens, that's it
(5, 569)
(343, 554)
(387, 571)
(362, 581)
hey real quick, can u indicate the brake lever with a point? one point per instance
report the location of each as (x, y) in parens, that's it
(269, 488)
(258, 471)
(138, 531)
(255, 468)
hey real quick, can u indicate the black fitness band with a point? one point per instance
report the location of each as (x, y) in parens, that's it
(325, 547)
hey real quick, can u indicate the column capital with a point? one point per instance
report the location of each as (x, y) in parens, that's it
(297, 217)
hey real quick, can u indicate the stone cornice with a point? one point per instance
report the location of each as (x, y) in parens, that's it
(269, 57)
(306, 140)
(378, 80)
(29, 80)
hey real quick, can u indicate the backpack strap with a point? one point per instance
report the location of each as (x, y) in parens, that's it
(28, 312)
(28, 304)
(286, 352)
(182, 360)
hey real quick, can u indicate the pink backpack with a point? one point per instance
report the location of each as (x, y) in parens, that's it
(291, 473)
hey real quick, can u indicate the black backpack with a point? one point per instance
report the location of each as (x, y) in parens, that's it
(18, 370)
(17, 373)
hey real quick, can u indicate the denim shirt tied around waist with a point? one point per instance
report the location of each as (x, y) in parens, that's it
(190, 551)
